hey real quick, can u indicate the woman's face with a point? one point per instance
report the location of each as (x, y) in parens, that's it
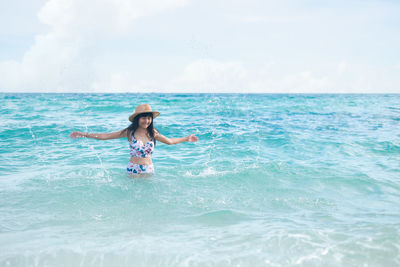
(144, 122)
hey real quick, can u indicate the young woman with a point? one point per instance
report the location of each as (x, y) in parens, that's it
(142, 139)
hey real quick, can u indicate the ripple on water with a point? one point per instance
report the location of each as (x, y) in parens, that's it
(275, 180)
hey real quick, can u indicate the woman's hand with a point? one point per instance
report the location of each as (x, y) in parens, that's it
(192, 138)
(77, 135)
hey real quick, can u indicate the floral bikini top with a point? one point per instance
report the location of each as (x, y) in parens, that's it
(139, 150)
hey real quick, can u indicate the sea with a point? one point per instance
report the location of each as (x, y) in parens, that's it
(273, 180)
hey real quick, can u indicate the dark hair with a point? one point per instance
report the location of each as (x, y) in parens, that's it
(135, 124)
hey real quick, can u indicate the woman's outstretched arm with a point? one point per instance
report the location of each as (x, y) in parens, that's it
(99, 136)
(173, 141)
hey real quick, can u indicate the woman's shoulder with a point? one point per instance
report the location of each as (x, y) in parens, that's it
(128, 134)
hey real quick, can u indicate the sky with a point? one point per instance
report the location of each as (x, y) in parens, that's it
(200, 46)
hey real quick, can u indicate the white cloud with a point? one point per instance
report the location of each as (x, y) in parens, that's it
(52, 63)
(208, 75)
(211, 75)
(124, 81)
(103, 17)
(62, 60)
(203, 75)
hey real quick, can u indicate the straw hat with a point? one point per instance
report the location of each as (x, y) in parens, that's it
(144, 108)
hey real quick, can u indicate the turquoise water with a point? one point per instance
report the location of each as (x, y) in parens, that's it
(274, 180)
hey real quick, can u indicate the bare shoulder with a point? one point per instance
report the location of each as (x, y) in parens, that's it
(124, 133)
(120, 134)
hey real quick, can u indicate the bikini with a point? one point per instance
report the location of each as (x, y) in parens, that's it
(140, 150)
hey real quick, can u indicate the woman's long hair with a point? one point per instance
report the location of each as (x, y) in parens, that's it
(130, 130)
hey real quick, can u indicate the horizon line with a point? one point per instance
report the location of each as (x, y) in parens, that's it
(215, 93)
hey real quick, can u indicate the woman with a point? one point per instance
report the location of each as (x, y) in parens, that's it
(142, 139)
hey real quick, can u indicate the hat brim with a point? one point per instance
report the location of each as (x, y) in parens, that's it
(155, 114)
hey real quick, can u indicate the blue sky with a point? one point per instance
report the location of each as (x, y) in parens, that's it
(200, 46)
